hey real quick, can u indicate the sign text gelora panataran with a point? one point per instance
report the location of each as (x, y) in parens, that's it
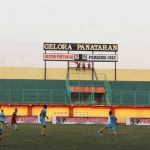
(80, 47)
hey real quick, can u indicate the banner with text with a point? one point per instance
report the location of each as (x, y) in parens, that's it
(102, 58)
(137, 121)
(79, 120)
(80, 57)
(23, 119)
(80, 47)
(61, 57)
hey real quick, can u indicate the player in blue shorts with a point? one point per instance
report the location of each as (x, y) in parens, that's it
(2, 119)
(42, 119)
(1, 136)
(111, 125)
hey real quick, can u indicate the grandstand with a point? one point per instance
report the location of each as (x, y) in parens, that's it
(69, 92)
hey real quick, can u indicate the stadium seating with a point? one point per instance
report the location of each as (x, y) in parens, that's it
(33, 91)
(130, 92)
(55, 91)
(31, 84)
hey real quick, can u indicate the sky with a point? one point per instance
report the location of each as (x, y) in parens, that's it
(26, 24)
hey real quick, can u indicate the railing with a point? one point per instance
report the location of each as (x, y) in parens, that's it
(95, 73)
(108, 90)
(84, 79)
(34, 96)
(80, 97)
(68, 87)
(24, 96)
(121, 97)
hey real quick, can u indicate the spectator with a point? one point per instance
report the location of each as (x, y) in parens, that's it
(83, 65)
(78, 66)
(89, 66)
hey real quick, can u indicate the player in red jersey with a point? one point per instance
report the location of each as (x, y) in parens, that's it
(89, 66)
(13, 120)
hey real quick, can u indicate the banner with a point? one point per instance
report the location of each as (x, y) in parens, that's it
(61, 57)
(80, 47)
(137, 121)
(102, 58)
(80, 57)
(23, 119)
(79, 120)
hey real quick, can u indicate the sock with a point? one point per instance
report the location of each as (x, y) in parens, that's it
(0, 138)
(114, 132)
(15, 126)
(43, 130)
(9, 125)
(102, 130)
(0, 135)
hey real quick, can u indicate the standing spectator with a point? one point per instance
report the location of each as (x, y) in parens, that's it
(89, 66)
(83, 65)
(78, 66)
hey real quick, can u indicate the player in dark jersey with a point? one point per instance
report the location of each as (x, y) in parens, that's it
(14, 119)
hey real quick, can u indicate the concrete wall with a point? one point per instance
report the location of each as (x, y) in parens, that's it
(81, 111)
(60, 73)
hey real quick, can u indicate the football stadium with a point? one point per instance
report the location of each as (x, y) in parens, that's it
(78, 100)
(75, 92)
(71, 81)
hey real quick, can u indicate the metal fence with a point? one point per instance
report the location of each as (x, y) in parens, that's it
(34, 96)
(122, 97)
(82, 97)
(23, 96)
(84, 79)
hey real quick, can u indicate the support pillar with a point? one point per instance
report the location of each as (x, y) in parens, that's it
(70, 111)
(29, 113)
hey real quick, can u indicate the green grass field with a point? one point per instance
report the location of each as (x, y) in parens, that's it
(75, 137)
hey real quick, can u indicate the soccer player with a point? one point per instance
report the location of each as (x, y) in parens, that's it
(42, 119)
(13, 120)
(1, 136)
(2, 119)
(111, 125)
